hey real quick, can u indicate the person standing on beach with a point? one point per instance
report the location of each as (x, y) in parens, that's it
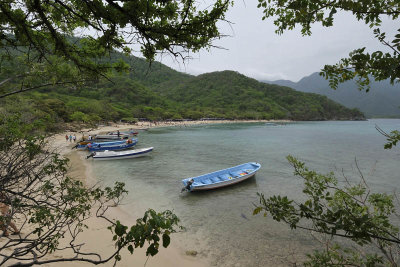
(118, 133)
(74, 138)
(66, 137)
(6, 216)
(70, 138)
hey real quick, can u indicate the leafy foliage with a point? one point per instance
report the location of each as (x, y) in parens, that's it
(38, 51)
(50, 206)
(147, 229)
(393, 137)
(350, 211)
(50, 44)
(154, 25)
(360, 64)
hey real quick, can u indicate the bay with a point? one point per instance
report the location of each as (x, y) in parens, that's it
(219, 224)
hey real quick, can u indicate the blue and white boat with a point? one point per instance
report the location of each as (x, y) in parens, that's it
(84, 146)
(116, 146)
(126, 154)
(221, 178)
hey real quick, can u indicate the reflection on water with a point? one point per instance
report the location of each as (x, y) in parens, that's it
(219, 223)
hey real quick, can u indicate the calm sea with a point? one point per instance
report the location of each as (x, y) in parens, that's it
(219, 224)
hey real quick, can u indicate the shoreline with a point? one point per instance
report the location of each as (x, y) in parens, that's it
(146, 125)
(97, 237)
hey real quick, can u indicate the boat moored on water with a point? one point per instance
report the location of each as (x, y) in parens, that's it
(221, 178)
(126, 154)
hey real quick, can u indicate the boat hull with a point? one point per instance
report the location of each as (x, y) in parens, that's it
(83, 144)
(222, 184)
(81, 147)
(222, 178)
(116, 145)
(135, 153)
(112, 137)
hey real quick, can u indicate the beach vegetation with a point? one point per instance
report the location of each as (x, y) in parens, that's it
(361, 64)
(356, 226)
(52, 54)
(335, 212)
(52, 209)
(67, 42)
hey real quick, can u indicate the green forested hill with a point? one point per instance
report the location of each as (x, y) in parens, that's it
(232, 95)
(159, 92)
(152, 74)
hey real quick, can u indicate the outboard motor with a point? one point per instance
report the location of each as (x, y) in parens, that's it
(188, 185)
(91, 155)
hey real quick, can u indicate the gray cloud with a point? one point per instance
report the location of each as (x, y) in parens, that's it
(254, 49)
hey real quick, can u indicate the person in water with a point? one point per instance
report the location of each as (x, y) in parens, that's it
(6, 216)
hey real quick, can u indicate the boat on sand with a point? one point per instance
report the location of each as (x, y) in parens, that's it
(116, 146)
(83, 144)
(221, 178)
(126, 154)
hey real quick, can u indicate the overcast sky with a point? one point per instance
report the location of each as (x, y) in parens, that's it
(256, 51)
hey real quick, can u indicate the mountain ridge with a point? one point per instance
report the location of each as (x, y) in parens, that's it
(380, 101)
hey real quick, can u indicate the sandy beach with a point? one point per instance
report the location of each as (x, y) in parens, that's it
(98, 238)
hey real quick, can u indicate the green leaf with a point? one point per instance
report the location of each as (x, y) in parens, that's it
(151, 250)
(257, 210)
(120, 229)
(166, 240)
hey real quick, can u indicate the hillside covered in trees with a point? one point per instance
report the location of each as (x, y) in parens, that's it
(157, 92)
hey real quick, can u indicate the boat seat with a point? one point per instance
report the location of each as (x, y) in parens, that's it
(242, 173)
(215, 179)
(207, 181)
(224, 177)
(234, 174)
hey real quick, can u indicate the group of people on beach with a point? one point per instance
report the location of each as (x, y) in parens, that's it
(70, 137)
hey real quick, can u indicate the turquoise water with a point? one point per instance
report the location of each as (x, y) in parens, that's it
(219, 223)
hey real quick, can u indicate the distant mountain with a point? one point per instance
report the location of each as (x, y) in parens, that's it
(383, 99)
(230, 94)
